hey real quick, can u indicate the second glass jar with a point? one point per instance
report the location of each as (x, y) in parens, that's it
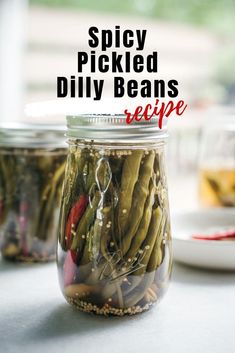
(32, 163)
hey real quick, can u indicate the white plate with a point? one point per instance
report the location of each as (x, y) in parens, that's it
(211, 254)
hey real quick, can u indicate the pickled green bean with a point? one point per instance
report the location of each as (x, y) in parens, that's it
(139, 198)
(130, 174)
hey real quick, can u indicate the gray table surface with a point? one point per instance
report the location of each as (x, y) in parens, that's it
(197, 315)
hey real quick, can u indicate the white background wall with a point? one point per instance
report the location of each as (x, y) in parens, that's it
(12, 42)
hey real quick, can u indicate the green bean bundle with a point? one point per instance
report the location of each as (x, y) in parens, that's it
(114, 238)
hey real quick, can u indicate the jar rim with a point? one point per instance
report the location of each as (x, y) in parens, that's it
(108, 127)
(32, 135)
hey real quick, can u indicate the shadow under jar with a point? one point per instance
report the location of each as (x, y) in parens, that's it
(114, 249)
(32, 164)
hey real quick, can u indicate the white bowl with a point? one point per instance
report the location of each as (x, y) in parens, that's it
(212, 254)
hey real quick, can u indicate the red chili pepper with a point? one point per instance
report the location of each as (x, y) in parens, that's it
(229, 234)
(23, 224)
(69, 268)
(1, 208)
(75, 215)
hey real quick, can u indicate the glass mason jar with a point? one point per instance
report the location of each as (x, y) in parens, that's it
(114, 249)
(217, 162)
(32, 163)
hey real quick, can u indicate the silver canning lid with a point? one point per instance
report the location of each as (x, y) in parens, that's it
(113, 127)
(32, 135)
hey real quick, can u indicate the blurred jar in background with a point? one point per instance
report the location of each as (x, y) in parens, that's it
(217, 161)
(32, 163)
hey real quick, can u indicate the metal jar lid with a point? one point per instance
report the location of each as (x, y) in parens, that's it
(32, 135)
(114, 127)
